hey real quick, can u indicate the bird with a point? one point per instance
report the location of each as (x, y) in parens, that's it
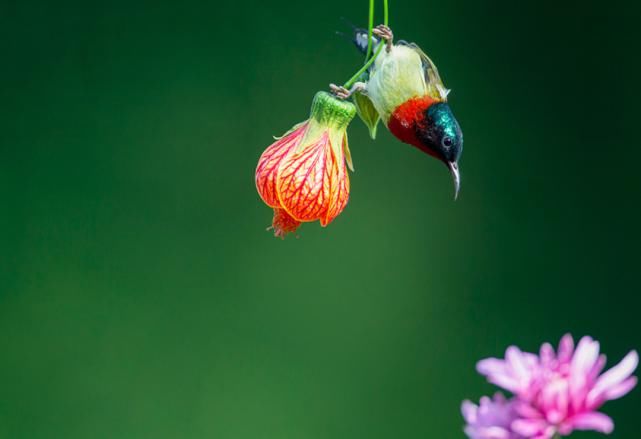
(403, 88)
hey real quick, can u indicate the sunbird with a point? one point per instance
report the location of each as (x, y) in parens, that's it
(403, 88)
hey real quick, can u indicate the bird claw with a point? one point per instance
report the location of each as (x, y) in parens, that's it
(385, 33)
(339, 91)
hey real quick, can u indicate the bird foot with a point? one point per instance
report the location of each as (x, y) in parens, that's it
(385, 33)
(339, 91)
(342, 93)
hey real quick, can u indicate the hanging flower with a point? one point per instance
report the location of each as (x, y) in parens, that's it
(559, 392)
(303, 175)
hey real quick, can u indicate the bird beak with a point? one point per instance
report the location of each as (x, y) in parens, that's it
(455, 176)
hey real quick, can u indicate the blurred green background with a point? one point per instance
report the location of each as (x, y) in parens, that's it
(141, 297)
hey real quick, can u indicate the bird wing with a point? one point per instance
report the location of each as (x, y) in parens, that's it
(433, 82)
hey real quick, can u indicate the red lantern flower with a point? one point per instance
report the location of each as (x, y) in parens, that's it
(303, 175)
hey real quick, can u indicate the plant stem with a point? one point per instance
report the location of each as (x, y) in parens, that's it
(370, 26)
(385, 13)
(354, 78)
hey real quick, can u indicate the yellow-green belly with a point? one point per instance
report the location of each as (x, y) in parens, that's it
(396, 77)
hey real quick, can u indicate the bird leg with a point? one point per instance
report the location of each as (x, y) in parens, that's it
(343, 93)
(385, 33)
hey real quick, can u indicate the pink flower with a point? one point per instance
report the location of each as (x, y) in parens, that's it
(491, 419)
(559, 392)
(517, 373)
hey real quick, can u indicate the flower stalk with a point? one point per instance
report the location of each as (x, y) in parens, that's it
(370, 27)
(371, 60)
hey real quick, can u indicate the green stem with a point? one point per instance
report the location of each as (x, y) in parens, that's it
(369, 29)
(363, 69)
(385, 13)
(354, 78)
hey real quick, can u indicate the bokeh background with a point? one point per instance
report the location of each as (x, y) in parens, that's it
(141, 297)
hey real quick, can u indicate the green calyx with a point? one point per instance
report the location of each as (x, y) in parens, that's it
(367, 112)
(327, 109)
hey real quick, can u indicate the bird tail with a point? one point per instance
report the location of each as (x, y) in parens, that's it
(360, 40)
(358, 37)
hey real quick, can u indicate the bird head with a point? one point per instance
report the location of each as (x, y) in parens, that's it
(440, 136)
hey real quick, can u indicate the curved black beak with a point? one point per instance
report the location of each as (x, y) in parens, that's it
(456, 176)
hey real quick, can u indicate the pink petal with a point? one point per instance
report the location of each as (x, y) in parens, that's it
(621, 389)
(495, 433)
(617, 374)
(496, 372)
(546, 353)
(491, 366)
(562, 402)
(525, 410)
(584, 360)
(593, 421)
(566, 348)
(585, 356)
(547, 398)
(505, 382)
(468, 410)
(532, 360)
(471, 432)
(598, 367)
(517, 362)
(578, 390)
(486, 432)
(528, 427)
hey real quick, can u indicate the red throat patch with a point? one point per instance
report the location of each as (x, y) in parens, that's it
(406, 117)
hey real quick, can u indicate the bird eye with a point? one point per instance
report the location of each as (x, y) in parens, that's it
(447, 142)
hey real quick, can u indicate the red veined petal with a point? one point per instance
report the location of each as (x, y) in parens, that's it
(270, 160)
(302, 181)
(339, 185)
